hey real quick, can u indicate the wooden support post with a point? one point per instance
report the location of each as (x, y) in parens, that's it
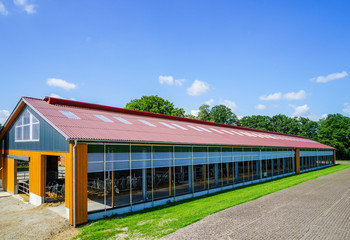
(333, 156)
(297, 161)
(112, 187)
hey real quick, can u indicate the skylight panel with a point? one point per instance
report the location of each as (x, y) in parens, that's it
(122, 120)
(167, 125)
(226, 131)
(247, 134)
(194, 128)
(103, 118)
(203, 129)
(181, 127)
(147, 123)
(69, 114)
(237, 133)
(216, 130)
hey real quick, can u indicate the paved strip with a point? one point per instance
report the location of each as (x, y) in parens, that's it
(316, 209)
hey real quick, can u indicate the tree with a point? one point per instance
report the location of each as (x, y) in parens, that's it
(308, 128)
(223, 114)
(204, 113)
(155, 104)
(335, 131)
(256, 122)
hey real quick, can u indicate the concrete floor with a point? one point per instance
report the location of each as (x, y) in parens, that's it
(317, 209)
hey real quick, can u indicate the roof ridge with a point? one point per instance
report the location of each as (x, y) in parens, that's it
(85, 105)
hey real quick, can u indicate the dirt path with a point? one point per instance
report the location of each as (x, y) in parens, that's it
(316, 209)
(19, 220)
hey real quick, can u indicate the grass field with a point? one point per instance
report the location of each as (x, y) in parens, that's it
(161, 221)
(22, 168)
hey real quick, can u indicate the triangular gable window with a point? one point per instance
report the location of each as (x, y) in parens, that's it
(27, 128)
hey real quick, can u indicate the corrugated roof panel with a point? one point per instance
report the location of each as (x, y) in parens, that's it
(88, 127)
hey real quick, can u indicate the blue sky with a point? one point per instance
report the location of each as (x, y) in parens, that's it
(256, 57)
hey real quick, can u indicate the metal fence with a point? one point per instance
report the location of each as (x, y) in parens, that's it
(23, 187)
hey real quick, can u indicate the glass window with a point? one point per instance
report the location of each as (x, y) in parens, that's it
(27, 128)
(162, 182)
(200, 182)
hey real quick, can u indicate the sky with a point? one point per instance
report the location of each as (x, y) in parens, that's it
(256, 57)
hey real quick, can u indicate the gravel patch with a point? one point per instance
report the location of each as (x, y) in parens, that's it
(19, 220)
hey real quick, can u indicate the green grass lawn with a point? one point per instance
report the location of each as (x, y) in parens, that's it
(161, 221)
(22, 168)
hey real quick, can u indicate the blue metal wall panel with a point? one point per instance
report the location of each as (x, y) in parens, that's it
(50, 139)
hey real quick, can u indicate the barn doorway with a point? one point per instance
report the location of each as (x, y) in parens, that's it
(54, 179)
(22, 186)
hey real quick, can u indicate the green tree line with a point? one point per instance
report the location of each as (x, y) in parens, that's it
(334, 130)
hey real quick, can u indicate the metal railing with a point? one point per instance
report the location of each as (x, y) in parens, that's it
(22, 176)
(61, 174)
(23, 187)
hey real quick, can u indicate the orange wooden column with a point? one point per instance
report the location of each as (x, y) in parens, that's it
(4, 173)
(11, 175)
(81, 211)
(297, 161)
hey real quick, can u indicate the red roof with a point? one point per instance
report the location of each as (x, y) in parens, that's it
(130, 126)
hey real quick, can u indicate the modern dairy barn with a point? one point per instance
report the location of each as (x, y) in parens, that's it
(118, 160)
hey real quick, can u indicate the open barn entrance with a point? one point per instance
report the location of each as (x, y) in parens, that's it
(22, 187)
(54, 179)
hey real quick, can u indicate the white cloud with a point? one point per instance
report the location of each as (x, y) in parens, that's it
(271, 97)
(295, 95)
(300, 111)
(260, 107)
(324, 116)
(195, 112)
(54, 95)
(55, 82)
(170, 80)
(27, 7)
(198, 88)
(346, 108)
(210, 102)
(166, 80)
(230, 104)
(330, 77)
(3, 10)
(240, 117)
(179, 82)
(4, 114)
(288, 96)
